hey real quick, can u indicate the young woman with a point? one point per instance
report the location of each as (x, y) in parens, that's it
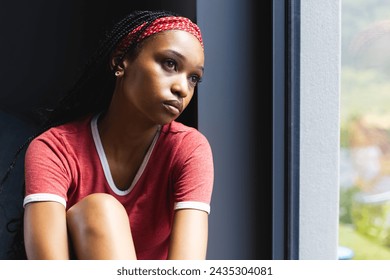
(115, 176)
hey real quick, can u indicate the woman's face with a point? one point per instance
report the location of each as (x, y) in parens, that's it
(160, 82)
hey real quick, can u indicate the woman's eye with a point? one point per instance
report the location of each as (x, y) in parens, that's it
(195, 79)
(170, 64)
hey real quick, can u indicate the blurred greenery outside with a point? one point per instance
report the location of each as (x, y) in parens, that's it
(364, 108)
(363, 247)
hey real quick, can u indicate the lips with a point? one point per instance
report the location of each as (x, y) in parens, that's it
(174, 106)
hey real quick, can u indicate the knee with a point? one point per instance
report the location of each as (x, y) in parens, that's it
(96, 204)
(96, 212)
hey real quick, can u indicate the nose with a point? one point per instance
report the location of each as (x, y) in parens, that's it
(180, 86)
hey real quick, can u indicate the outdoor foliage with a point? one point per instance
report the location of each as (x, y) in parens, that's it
(365, 124)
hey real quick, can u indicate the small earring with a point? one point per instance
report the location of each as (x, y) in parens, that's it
(117, 73)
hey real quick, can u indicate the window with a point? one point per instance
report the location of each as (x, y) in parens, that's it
(364, 231)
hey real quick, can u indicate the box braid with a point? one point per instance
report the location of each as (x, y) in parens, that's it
(90, 94)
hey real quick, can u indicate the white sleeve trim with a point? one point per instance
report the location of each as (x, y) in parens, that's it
(36, 197)
(193, 205)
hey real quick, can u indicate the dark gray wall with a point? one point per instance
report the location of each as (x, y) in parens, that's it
(235, 114)
(13, 133)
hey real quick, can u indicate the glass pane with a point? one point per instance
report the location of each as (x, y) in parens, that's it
(365, 130)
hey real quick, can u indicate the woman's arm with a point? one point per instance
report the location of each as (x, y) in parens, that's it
(45, 231)
(189, 235)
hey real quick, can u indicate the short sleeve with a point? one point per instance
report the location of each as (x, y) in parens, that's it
(47, 171)
(193, 188)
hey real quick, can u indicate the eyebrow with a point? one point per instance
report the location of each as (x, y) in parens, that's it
(182, 57)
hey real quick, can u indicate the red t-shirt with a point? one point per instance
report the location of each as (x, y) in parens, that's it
(67, 163)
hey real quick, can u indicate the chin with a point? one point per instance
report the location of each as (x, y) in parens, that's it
(165, 121)
(164, 118)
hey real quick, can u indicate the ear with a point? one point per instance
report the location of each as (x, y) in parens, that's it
(116, 63)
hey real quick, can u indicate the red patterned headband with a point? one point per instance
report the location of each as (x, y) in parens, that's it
(159, 25)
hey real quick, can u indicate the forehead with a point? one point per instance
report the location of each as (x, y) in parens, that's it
(181, 41)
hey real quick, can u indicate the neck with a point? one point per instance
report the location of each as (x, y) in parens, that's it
(123, 136)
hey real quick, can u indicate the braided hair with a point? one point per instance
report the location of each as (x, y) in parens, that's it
(91, 94)
(93, 90)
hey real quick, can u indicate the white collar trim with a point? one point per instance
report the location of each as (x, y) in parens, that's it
(104, 162)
